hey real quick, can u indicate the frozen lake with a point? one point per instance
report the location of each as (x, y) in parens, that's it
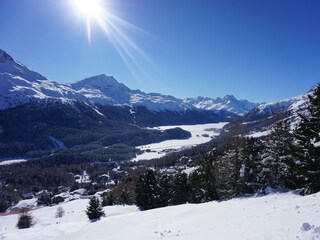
(200, 133)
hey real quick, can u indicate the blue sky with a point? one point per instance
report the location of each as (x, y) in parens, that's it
(261, 50)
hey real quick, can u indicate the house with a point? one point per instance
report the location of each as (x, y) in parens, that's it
(111, 164)
(27, 196)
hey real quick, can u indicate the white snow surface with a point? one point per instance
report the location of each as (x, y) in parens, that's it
(11, 161)
(200, 133)
(259, 134)
(277, 216)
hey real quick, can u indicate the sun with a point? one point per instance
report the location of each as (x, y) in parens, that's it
(101, 14)
(89, 8)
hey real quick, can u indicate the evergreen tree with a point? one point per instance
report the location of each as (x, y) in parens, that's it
(180, 189)
(94, 210)
(207, 171)
(124, 196)
(250, 166)
(196, 187)
(279, 155)
(308, 150)
(147, 191)
(108, 199)
(164, 188)
(25, 220)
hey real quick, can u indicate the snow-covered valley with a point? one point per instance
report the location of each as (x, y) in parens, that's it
(200, 133)
(277, 216)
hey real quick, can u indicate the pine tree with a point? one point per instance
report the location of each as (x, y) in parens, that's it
(147, 191)
(108, 200)
(207, 171)
(196, 187)
(124, 196)
(25, 220)
(279, 149)
(164, 188)
(308, 150)
(250, 166)
(180, 189)
(94, 210)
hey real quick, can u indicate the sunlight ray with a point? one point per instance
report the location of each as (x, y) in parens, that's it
(117, 31)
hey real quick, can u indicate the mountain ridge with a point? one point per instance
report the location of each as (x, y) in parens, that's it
(20, 85)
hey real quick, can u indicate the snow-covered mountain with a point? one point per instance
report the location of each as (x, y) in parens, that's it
(103, 89)
(261, 119)
(227, 103)
(106, 90)
(290, 106)
(20, 85)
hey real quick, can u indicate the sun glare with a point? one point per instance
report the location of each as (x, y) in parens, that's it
(115, 28)
(89, 8)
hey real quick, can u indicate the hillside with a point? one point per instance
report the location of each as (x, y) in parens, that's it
(277, 216)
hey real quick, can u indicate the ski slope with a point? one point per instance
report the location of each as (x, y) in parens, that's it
(278, 216)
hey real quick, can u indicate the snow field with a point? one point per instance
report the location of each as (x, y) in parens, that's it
(283, 216)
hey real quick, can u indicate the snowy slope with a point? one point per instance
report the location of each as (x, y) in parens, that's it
(228, 103)
(259, 121)
(20, 85)
(283, 216)
(293, 104)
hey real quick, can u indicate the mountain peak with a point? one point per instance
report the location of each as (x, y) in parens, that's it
(101, 81)
(103, 89)
(102, 76)
(4, 56)
(230, 97)
(9, 66)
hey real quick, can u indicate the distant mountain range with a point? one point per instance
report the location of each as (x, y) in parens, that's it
(228, 103)
(20, 85)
